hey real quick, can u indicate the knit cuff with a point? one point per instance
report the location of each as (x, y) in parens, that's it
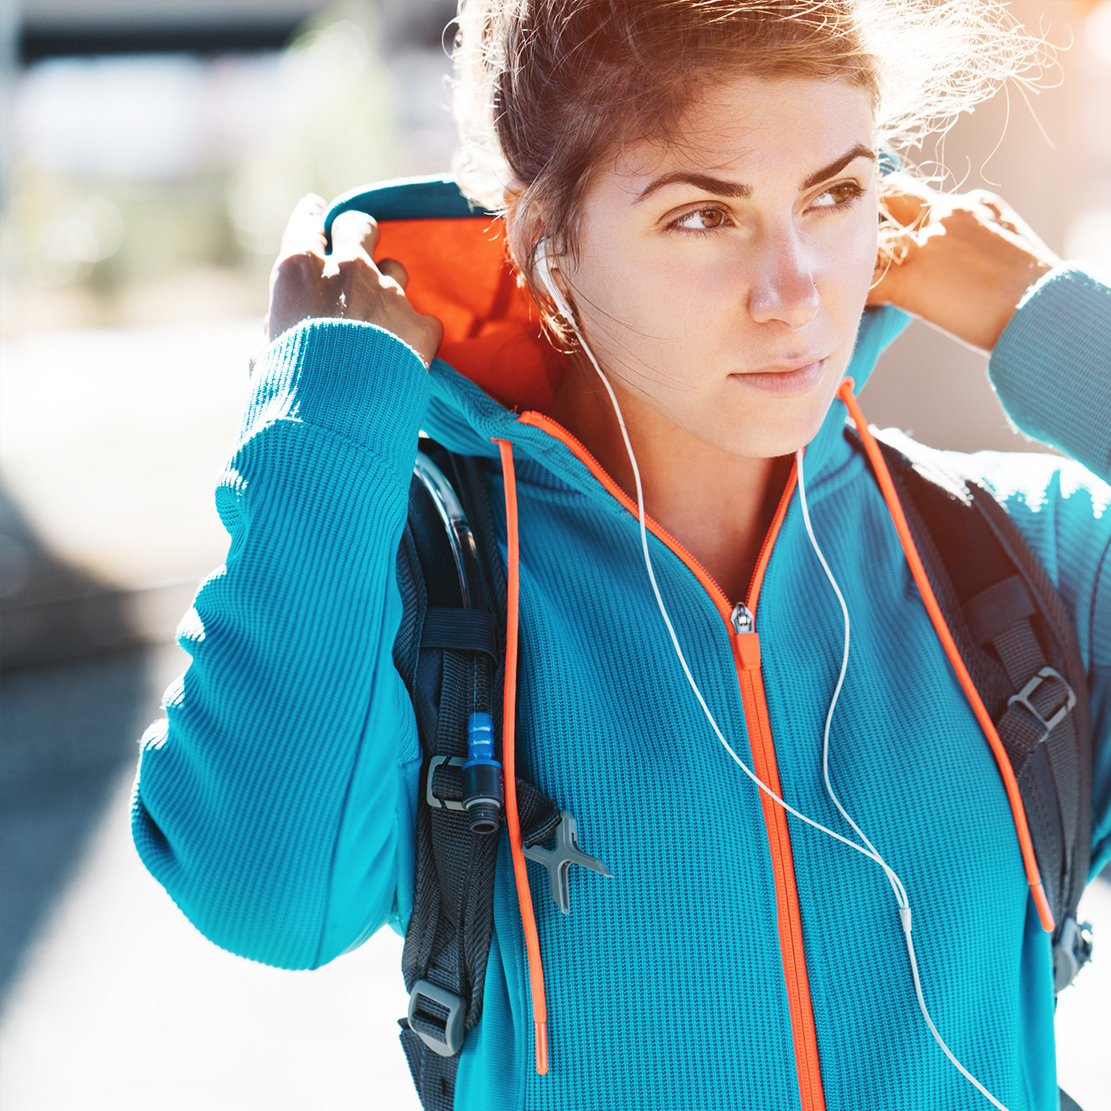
(351, 378)
(1052, 366)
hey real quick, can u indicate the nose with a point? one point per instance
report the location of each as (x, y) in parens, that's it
(784, 289)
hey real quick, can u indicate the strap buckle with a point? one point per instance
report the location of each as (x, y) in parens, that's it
(1071, 953)
(1023, 699)
(430, 796)
(443, 1035)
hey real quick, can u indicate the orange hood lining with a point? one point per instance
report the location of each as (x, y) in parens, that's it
(460, 272)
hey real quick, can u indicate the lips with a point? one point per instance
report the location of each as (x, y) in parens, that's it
(789, 364)
(787, 377)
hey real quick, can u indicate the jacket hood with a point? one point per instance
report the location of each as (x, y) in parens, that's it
(495, 362)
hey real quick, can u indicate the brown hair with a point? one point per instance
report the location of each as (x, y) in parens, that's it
(547, 89)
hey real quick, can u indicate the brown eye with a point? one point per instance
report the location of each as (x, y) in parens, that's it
(702, 219)
(839, 196)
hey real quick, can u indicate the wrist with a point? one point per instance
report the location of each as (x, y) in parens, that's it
(1011, 296)
(354, 379)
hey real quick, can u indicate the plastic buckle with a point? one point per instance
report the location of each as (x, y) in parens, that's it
(558, 860)
(434, 800)
(1071, 953)
(450, 1041)
(1023, 699)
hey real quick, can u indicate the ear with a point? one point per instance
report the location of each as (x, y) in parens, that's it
(541, 270)
(517, 209)
(512, 192)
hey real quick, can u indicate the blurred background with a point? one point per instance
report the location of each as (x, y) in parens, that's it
(150, 151)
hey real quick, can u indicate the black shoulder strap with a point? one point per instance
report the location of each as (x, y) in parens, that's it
(1018, 643)
(451, 658)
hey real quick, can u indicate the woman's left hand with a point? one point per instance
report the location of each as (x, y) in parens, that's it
(961, 261)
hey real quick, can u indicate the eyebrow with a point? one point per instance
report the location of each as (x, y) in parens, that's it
(838, 164)
(721, 187)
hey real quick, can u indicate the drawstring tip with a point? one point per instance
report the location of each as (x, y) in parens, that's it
(1042, 903)
(541, 1048)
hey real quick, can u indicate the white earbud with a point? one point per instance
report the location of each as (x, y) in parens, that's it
(543, 268)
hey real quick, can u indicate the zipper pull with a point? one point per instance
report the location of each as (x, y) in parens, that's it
(746, 644)
(742, 619)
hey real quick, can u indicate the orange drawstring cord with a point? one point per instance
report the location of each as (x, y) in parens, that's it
(509, 722)
(883, 476)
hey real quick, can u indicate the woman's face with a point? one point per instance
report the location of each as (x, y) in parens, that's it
(722, 277)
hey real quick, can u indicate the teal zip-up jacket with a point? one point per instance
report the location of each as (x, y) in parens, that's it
(277, 800)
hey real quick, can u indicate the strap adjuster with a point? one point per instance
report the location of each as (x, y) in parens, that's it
(443, 1035)
(430, 796)
(1071, 953)
(1023, 699)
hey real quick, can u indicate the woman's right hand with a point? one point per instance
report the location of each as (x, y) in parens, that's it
(961, 262)
(347, 284)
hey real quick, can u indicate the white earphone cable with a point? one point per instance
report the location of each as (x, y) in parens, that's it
(896, 882)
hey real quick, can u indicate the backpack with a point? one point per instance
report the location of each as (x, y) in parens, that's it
(1019, 645)
(1005, 615)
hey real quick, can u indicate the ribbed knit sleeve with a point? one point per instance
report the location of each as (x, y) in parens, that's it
(245, 789)
(1052, 366)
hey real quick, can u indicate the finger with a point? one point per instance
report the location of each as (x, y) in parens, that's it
(393, 269)
(895, 244)
(354, 235)
(304, 234)
(878, 294)
(895, 249)
(886, 279)
(905, 199)
(1000, 216)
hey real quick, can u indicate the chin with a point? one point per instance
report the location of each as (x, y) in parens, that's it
(775, 435)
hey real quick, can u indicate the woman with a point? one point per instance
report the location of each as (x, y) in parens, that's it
(692, 191)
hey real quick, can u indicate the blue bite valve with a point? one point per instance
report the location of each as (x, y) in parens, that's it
(483, 793)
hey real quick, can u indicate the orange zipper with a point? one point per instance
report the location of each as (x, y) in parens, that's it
(746, 655)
